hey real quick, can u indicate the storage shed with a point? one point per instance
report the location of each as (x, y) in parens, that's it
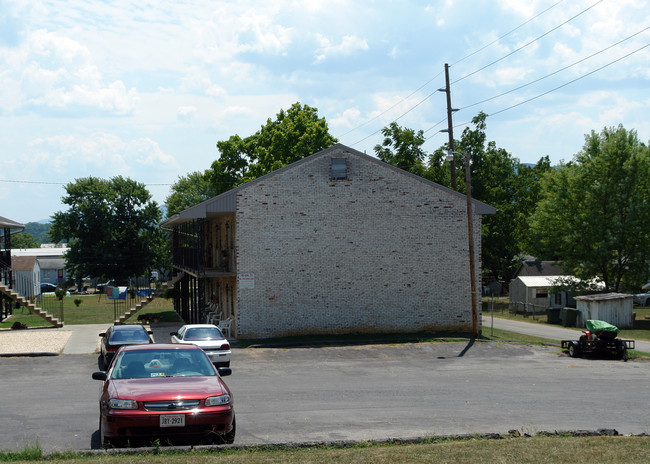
(26, 275)
(530, 294)
(615, 308)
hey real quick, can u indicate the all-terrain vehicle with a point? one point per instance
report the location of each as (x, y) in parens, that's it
(600, 336)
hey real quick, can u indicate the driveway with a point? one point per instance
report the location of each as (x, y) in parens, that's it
(544, 330)
(354, 393)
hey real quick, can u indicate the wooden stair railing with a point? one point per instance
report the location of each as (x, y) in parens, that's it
(8, 292)
(122, 319)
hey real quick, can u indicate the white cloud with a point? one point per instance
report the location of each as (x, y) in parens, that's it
(185, 113)
(100, 154)
(53, 71)
(183, 75)
(348, 45)
(348, 118)
(512, 75)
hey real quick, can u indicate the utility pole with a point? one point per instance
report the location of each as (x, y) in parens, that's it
(468, 196)
(450, 128)
(470, 233)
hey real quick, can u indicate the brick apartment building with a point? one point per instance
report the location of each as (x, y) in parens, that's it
(338, 242)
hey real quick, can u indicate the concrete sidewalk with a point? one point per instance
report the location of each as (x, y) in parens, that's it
(544, 331)
(70, 339)
(84, 338)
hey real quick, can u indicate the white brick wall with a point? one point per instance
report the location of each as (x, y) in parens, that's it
(379, 252)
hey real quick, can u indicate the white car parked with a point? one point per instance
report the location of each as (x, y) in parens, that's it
(642, 299)
(209, 338)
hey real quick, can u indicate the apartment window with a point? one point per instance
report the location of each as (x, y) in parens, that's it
(339, 169)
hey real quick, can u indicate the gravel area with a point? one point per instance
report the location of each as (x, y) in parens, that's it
(33, 341)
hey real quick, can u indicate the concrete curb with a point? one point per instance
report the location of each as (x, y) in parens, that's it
(153, 450)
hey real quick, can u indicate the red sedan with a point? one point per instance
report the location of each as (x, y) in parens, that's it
(167, 392)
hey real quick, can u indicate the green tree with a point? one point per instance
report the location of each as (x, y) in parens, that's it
(402, 147)
(189, 191)
(594, 215)
(231, 169)
(24, 240)
(494, 181)
(111, 227)
(499, 180)
(528, 187)
(294, 134)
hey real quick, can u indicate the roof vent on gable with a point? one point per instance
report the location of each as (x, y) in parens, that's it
(339, 168)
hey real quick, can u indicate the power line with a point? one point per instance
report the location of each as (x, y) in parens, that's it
(61, 183)
(570, 82)
(556, 88)
(396, 119)
(435, 77)
(555, 72)
(389, 109)
(506, 34)
(528, 43)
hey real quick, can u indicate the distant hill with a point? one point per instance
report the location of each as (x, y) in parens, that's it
(39, 230)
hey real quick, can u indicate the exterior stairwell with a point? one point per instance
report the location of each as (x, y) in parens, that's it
(159, 292)
(8, 292)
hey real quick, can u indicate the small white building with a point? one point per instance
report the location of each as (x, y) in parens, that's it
(51, 261)
(530, 294)
(26, 275)
(615, 308)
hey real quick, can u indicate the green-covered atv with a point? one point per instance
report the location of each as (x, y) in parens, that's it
(600, 336)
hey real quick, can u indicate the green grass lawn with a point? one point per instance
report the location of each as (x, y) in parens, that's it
(556, 449)
(641, 330)
(93, 309)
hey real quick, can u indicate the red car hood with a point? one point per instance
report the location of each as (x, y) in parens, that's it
(164, 388)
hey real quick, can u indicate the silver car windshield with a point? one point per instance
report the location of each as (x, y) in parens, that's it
(202, 333)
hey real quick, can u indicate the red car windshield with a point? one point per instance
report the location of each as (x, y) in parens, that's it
(142, 364)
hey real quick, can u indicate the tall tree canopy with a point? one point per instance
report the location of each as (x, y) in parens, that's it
(111, 227)
(294, 134)
(402, 147)
(23, 240)
(497, 179)
(594, 215)
(188, 191)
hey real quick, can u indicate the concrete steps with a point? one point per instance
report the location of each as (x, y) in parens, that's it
(158, 293)
(8, 292)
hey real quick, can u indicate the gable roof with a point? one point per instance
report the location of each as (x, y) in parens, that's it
(226, 202)
(23, 263)
(9, 224)
(538, 268)
(539, 281)
(51, 263)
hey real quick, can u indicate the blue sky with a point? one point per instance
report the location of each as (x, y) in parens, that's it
(145, 89)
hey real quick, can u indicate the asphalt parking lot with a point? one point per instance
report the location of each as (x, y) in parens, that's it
(355, 393)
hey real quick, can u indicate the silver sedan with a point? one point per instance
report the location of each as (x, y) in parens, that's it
(207, 337)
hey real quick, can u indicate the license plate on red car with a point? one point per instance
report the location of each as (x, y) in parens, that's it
(172, 420)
